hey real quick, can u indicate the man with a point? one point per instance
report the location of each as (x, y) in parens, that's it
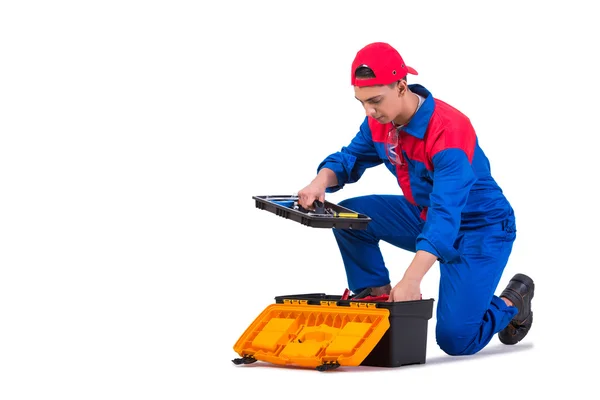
(451, 210)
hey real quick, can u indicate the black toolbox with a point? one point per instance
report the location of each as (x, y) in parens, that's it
(336, 332)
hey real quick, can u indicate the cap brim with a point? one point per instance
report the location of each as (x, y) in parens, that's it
(411, 70)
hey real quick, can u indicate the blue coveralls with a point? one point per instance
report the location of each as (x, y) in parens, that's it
(450, 207)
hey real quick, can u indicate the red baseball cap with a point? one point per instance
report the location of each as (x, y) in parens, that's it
(384, 61)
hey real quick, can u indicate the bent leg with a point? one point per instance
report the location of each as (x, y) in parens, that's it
(468, 312)
(393, 220)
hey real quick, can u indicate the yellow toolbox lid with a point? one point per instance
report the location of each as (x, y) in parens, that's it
(321, 336)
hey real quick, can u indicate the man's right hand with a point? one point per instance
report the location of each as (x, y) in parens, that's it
(316, 189)
(307, 196)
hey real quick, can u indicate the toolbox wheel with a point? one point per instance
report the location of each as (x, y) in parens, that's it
(327, 367)
(244, 360)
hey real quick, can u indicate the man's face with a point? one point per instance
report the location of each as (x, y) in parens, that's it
(380, 102)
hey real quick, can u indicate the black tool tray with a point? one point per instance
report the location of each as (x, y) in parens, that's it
(326, 215)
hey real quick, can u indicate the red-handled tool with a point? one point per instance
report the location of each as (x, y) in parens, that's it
(346, 294)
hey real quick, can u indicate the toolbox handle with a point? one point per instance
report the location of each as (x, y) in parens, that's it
(319, 207)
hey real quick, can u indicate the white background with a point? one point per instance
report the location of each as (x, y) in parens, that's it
(134, 135)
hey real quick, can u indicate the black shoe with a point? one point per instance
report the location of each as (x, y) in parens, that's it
(520, 292)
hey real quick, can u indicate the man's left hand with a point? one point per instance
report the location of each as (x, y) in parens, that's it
(406, 290)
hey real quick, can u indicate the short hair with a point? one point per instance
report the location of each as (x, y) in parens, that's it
(364, 72)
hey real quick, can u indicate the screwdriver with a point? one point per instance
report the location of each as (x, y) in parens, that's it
(344, 214)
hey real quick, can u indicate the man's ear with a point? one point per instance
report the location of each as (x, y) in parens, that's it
(401, 87)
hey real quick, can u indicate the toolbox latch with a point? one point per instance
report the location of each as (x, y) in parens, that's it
(362, 304)
(329, 303)
(294, 301)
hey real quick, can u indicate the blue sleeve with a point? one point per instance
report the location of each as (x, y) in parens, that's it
(453, 177)
(351, 161)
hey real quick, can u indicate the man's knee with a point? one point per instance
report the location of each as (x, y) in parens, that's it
(455, 339)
